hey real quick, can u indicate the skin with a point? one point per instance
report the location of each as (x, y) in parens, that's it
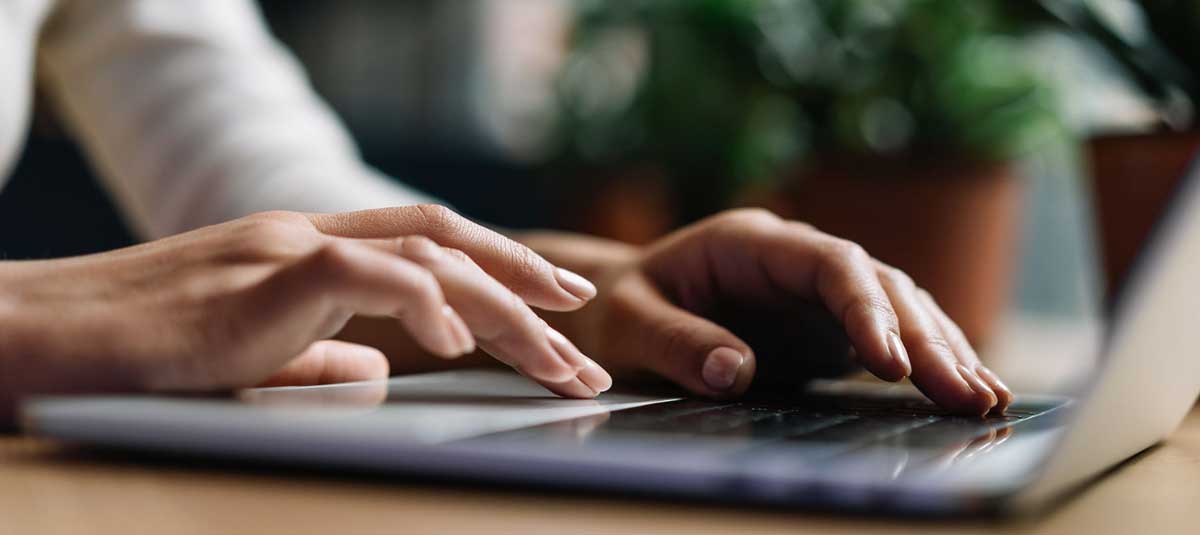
(666, 308)
(257, 301)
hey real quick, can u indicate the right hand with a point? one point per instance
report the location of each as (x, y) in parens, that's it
(253, 301)
(746, 296)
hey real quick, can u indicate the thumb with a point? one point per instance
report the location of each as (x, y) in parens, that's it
(329, 362)
(687, 349)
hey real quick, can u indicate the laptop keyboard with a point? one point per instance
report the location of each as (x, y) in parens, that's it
(817, 432)
(844, 421)
(814, 437)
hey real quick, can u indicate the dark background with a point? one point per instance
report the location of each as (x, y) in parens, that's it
(386, 67)
(53, 206)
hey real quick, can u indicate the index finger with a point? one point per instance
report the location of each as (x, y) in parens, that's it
(517, 267)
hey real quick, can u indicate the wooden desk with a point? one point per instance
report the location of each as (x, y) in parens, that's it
(51, 488)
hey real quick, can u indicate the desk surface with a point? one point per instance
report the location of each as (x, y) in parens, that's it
(51, 488)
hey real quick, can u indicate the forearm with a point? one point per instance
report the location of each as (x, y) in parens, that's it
(10, 359)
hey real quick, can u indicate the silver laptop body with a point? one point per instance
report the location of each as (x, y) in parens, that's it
(841, 445)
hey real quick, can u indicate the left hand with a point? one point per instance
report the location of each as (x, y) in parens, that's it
(797, 299)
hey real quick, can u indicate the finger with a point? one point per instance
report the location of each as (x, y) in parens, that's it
(424, 251)
(844, 278)
(344, 278)
(502, 323)
(591, 374)
(589, 382)
(595, 378)
(937, 369)
(966, 354)
(330, 362)
(768, 255)
(574, 388)
(516, 266)
(687, 349)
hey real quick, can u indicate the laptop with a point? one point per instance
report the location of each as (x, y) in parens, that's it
(842, 445)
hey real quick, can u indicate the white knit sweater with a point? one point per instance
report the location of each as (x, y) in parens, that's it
(188, 109)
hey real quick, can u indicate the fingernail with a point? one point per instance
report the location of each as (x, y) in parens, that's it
(978, 386)
(575, 284)
(577, 389)
(720, 368)
(899, 353)
(993, 380)
(595, 377)
(567, 351)
(462, 341)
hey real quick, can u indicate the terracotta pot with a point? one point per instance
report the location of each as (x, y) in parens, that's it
(638, 206)
(1134, 176)
(953, 227)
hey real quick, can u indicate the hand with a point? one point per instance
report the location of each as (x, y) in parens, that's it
(746, 296)
(253, 301)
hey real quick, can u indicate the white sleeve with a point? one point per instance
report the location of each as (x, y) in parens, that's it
(193, 114)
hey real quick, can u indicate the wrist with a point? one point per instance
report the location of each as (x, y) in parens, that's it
(43, 350)
(11, 353)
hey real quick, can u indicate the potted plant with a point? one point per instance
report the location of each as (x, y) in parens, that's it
(890, 123)
(1157, 46)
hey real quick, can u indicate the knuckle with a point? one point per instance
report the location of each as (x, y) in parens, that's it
(937, 342)
(876, 305)
(927, 297)
(673, 339)
(395, 245)
(898, 278)
(419, 241)
(420, 247)
(270, 230)
(954, 330)
(438, 219)
(839, 254)
(750, 217)
(803, 227)
(870, 307)
(282, 216)
(334, 258)
(269, 235)
(846, 250)
(457, 255)
(524, 264)
(423, 281)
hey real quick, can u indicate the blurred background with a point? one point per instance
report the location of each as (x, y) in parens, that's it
(978, 144)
